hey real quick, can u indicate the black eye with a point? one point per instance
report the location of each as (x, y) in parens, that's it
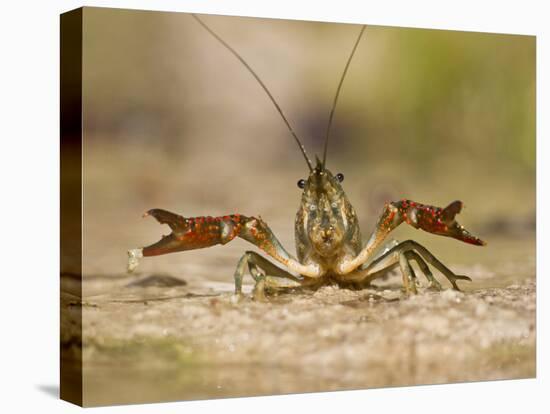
(340, 177)
(301, 183)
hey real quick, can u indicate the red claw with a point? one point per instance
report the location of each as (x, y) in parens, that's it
(437, 220)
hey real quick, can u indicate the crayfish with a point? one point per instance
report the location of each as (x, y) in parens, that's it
(329, 245)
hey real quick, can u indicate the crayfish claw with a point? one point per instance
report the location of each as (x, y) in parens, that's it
(448, 213)
(436, 220)
(174, 221)
(460, 233)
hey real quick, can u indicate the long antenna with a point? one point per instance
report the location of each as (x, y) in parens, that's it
(338, 93)
(209, 30)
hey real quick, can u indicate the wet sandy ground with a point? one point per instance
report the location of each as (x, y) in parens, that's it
(158, 336)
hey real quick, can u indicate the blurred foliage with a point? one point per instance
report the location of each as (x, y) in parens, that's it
(473, 92)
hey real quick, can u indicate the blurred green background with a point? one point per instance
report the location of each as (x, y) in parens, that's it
(173, 120)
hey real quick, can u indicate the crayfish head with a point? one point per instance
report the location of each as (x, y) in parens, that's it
(325, 216)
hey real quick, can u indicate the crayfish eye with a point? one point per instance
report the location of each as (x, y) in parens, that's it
(301, 183)
(340, 177)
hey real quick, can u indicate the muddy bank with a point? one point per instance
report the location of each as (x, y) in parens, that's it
(154, 337)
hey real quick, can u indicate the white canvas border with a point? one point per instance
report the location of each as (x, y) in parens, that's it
(30, 208)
